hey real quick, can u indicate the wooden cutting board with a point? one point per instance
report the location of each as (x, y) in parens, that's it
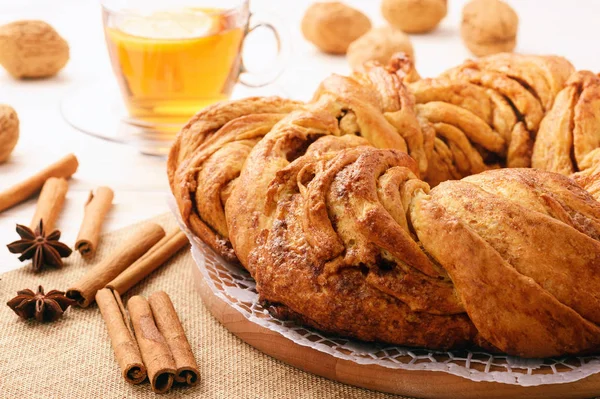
(420, 384)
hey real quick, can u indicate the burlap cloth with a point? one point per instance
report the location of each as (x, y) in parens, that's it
(72, 358)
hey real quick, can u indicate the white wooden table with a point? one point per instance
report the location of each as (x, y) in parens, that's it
(567, 28)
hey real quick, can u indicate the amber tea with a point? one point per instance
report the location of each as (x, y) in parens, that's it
(171, 64)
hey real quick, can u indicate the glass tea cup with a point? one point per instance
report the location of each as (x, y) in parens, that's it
(171, 58)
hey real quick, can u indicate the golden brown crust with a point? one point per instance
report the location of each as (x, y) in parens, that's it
(523, 100)
(371, 105)
(336, 254)
(570, 132)
(544, 76)
(346, 238)
(496, 102)
(207, 157)
(210, 151)
(208, 121)
(527, 278)
(589, 178)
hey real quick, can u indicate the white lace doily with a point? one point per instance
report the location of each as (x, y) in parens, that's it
(236, 287)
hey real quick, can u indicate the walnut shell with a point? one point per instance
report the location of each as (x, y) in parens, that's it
(489, 27)
(32, 49)
(9, 131)
(332, 26)
(414, 16)
(379, 44)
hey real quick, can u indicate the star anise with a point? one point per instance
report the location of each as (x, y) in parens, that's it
(42, 307)
(45, 250)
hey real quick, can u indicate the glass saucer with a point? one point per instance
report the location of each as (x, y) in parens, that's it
(97, 109)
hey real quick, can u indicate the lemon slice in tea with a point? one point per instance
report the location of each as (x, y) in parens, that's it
(172, 24)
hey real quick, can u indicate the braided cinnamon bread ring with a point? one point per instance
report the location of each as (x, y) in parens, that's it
(328, 204)
(338, 252)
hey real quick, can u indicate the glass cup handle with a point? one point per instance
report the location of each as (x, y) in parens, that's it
(269, 75)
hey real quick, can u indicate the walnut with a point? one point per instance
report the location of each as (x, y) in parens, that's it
(32, 49)
(414, 16)
(9, 131)
(332, 26)
(379, 44)
(489, 27)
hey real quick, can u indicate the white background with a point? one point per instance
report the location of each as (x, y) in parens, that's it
(566, 27)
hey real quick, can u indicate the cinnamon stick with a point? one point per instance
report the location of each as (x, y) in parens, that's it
(50, 203)
(155, 257)
(153, 346)
(96, 208)
(170, 327)
(121, 336)
(84, 291)
(64, 168)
